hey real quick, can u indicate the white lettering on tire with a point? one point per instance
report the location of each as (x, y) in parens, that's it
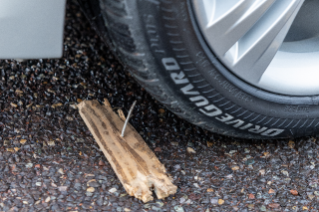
(208, 109)
(170, 64)
(211, 111)
(225, 118)
(187, 90)
(272, 132)
(179, 78)
(200, 101)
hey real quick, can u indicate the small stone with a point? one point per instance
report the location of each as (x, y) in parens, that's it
(189, 202)
(154, 208)
(235, 168)
(25, 202)
(37, 166)
(63, 188)
(90, 189)
(305, 208)
(13, 105)
(56, 105)
(89, 194)
(191, 150)
(6, 142)
(23, 141)
(50, 91)
(177, 167)
(29, 165)
(232, 151)
(311, 196)
(285, 173)
(210, 143)
(161, 111)
(69, 118)
(29, 105)
(179, 208)
(79, 140)
(61, 171)
(73, 106)
(249, 162)
(251, 206)
(93, 183)
(266, 154)
(221, 201)
(294, 192)
(51, 143)
(18, 91)
(48, 199)
(127, 209)
(251, 196)
(147, 206)
(101, 163)
(160, 203)
(112, 190)
(182, 200)
(10, 149)
(210, 190)
(291, 144)
(263, 208)
(316, 193)
(38, 184)
(229, 176)
(157, 149)
(271, 191)
(89, 175)
(55, 78)
(214, 201)
(287, 180)
(262, 171)
(16, 149)
(274, 205)
(173, 143)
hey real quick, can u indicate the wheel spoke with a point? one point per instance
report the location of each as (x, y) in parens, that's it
(257, 48)
(246, 34)
(237, 21)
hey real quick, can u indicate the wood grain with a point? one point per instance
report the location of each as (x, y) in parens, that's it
(137, 167)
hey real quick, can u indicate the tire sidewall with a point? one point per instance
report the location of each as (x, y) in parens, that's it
(198, 81)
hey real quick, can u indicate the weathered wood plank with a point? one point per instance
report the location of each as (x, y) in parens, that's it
(133, 161)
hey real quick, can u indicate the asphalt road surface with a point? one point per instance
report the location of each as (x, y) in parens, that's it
(50, 161)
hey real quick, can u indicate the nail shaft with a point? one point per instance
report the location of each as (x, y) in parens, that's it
(127, 118)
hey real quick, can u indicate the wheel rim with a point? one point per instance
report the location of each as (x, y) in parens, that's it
(273, 45)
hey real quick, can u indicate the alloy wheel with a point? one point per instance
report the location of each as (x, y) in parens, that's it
(273, 45)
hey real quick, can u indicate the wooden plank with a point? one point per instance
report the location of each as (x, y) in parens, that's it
(133, 161)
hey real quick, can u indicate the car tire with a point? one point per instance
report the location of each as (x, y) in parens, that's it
(163, 49)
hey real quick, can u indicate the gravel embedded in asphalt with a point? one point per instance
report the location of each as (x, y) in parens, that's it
(50, 161)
